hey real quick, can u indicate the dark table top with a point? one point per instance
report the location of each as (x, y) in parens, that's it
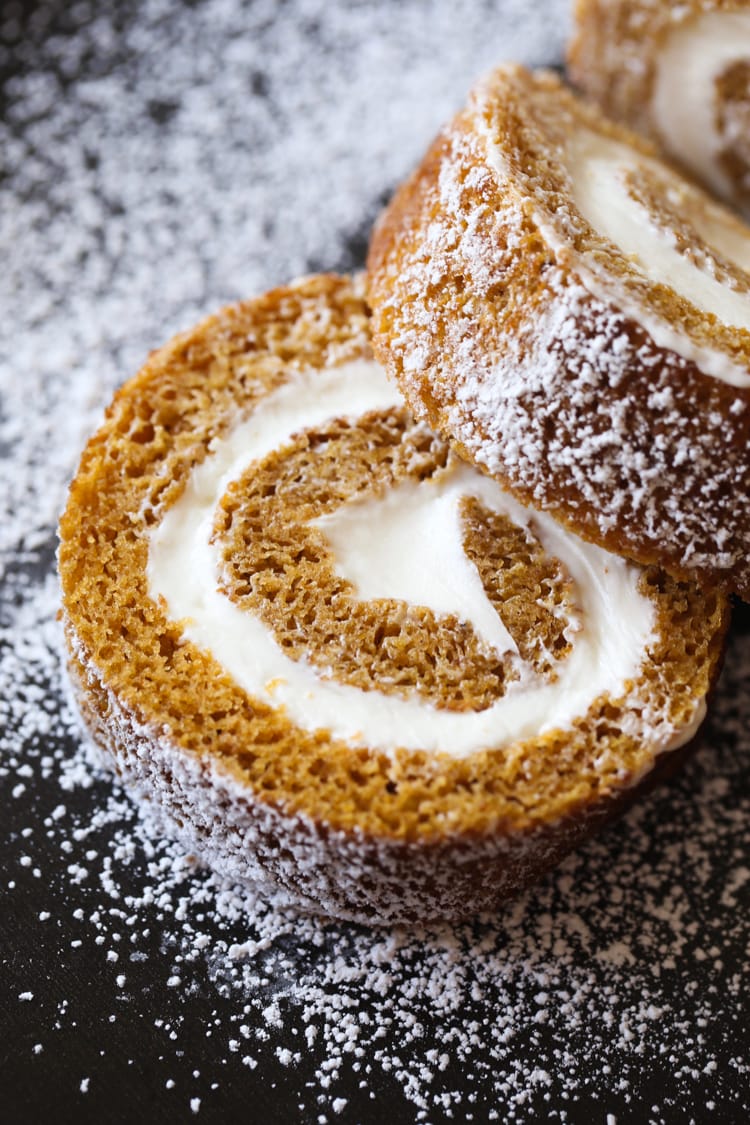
(158, 158)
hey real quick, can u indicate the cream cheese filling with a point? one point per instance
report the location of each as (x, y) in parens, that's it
(408, 545)
(598, 168)
(694, 55)
(610, 635)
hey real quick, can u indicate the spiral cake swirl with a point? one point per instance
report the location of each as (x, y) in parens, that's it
(343, 664)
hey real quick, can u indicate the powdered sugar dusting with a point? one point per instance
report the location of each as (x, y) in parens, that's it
(559, 392)
(628, 956)
(616, 983)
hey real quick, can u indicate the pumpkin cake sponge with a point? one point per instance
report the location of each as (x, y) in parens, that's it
(341, 663)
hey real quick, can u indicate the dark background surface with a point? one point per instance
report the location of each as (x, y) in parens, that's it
(158, 159)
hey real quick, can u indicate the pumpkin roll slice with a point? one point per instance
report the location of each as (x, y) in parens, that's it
(678, 72)
(575, 317)
(341, 663)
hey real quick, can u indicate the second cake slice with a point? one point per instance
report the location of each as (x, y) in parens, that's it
(575, 318)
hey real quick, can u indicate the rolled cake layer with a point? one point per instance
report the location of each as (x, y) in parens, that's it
(575, 317)
(679, 72)
(342, 663)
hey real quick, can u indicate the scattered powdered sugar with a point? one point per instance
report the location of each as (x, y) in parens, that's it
(154, 167)
(624, 965)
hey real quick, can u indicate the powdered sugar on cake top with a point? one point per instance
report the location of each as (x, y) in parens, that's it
(567, 397)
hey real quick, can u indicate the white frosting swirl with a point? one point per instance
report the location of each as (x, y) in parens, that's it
(597, 169)
(610, 636)
(408, 545)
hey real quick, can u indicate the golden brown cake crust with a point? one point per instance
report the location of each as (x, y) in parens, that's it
(496, 340)
(353, 832)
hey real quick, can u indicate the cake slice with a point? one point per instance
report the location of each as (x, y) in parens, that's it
(341, 663)
(574, 317)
